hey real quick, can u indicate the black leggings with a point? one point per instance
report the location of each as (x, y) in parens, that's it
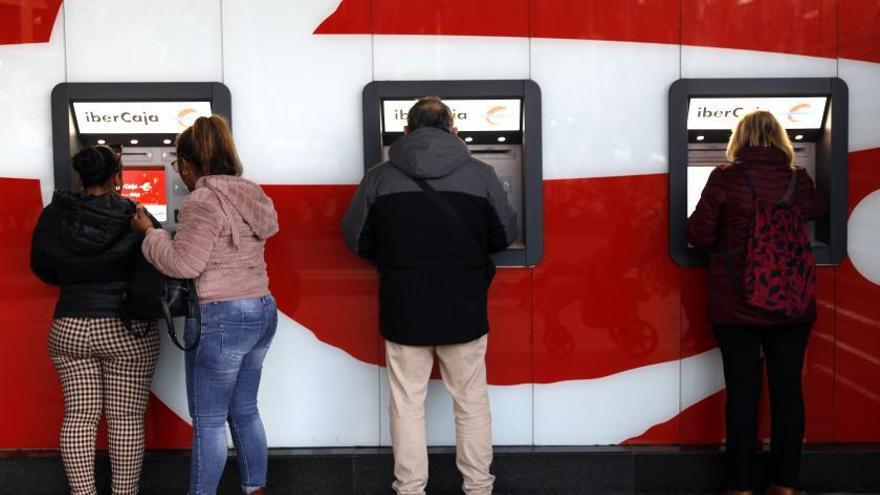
(784, 348)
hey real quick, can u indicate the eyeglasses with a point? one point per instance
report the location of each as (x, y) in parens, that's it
(175, 165)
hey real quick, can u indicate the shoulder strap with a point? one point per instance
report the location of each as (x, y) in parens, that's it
(452, 212)
(791, 193)
(746, 178)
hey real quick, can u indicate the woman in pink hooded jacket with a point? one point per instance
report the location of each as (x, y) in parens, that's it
(221, 233)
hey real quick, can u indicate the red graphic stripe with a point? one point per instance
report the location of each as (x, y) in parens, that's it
(314, 277)
(484, 18)
(654, 21)
(29, 385)
(859, 30)
(702, 423)
(27, 21)
(823, 28)
(605, 299)
(857, 337)
(30, 390)
(802, 27)
(164, 429)
(606, 292)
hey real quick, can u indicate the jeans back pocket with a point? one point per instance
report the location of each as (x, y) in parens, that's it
(240, 337)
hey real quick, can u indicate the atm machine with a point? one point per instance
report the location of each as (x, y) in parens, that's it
(702, 116)
(500, 121)
(139, 120)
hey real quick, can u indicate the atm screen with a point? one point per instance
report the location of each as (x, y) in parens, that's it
(137, 117)
(146, 186)
(793, 112)
(477, 115)
(711, 119)
(697, 178)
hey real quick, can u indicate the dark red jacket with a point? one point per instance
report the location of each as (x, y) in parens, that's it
(721, 222)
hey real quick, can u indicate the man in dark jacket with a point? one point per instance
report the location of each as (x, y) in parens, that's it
(429, 218)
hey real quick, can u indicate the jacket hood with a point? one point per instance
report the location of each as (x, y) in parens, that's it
(92, 224)
(429, 153)
(247, 199)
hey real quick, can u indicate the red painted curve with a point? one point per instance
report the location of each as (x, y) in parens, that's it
(606, 298)
(823, 28)
(802, 27)
(857, 336)
(701, 423)
(27, 21)
(577, 329)
(28, 382)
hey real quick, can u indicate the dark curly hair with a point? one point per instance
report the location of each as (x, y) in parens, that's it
(95, 165)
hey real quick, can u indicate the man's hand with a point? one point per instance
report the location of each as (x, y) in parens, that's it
(141, 222)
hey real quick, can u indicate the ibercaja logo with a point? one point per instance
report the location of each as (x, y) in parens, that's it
(186, 117)
(496, 114)
(798, 111)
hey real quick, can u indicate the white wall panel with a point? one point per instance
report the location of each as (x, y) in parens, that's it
(863, 79)
(604, 106)
(296, 97)
(143, 40)
(614, 408)
(404, 57)
(863, 237)
(311, 394)
(709, 62)
(701, 376)
(27, 75)
(607, 410)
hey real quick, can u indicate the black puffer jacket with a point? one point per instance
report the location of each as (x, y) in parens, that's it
(85, 245)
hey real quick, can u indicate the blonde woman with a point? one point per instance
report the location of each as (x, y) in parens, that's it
(761, 164)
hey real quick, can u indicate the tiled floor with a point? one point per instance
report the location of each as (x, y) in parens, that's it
(519, 471)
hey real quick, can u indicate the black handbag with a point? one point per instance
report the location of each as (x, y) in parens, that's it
(154, 296)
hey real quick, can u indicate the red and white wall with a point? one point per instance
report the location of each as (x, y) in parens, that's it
(605, 341)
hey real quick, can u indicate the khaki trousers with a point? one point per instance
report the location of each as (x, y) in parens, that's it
(463, 369)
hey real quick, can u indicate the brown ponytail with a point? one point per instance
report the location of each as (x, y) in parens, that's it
(209, 146)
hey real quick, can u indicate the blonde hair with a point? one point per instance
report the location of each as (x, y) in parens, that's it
(759, 129)
(208, 144)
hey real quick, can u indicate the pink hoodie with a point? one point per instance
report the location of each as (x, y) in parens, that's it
(221, 232)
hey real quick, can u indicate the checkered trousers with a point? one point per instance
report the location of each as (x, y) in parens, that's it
(103, 368)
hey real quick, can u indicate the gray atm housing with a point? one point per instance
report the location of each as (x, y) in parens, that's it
(517, 161)
(822, 152)
(150, 150)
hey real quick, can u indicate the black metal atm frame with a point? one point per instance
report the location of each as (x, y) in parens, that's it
(831, 142)
(528, 92)
(67, 138)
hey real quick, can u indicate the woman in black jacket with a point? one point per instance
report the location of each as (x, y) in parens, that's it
(83, 243)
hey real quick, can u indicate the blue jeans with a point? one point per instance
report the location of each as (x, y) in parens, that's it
(222, 379)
